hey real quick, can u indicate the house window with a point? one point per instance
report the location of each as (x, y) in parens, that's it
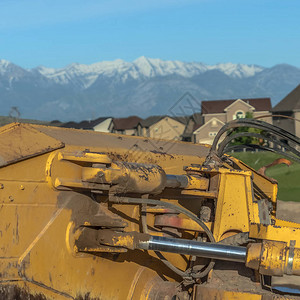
(212, 134)
(239, 115)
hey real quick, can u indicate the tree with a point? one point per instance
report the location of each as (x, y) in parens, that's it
(246, 140)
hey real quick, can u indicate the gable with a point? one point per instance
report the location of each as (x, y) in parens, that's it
(290, 102)
(167, 120)
(103, 126)
(213, 123)
(218, 106)
(239, 104)
(151, 120)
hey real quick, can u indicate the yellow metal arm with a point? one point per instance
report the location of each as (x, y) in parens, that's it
(274, 258)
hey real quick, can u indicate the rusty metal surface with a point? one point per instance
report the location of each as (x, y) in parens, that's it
(21, 141)
(12, 292)
(135, 177)
(173, 221)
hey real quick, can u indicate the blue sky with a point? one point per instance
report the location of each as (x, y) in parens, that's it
(58, 32)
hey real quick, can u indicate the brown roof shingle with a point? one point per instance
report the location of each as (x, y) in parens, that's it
(289, 102)
(218, 106)
(126, 123)
(195, 121)
(151, 120)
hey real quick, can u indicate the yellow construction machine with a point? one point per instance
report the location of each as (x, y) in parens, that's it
(87, 215)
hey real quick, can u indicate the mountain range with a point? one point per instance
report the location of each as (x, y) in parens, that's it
(143, 87)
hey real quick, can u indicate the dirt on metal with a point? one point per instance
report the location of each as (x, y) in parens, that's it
(243, 279)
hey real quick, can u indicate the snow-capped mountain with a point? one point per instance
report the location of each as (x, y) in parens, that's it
(141, 68)
(3, 65)
(145, 86)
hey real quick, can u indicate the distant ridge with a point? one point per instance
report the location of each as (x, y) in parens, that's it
(144, 87)
(142, 68)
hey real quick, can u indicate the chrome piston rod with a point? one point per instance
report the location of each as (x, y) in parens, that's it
(201, 249)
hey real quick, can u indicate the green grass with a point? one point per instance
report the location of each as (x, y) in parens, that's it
(288, 177)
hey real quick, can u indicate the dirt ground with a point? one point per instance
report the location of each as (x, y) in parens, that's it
(289, 211)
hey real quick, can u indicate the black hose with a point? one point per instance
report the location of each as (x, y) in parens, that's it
(214, 157)
(123, 200)
(158, 254)
(254, 124)
(128, 200)
(272, 139)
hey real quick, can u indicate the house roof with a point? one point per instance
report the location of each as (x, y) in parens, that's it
(184, 120)
(55, 123)
(218, 106)
(151, 120)
(86, 124)
(197, 118)
(126, 123)
(154, 119)
(289, 102)
(195, 121)
(197, 125)
(197, 130)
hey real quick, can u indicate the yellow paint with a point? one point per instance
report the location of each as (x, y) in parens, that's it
(234, 206)
(197, 183)
(39, 220)
(273, 258)
(296, 262)
(86, 157)
(275, 233)
(135, 282)
(124, 241)
(69, 243)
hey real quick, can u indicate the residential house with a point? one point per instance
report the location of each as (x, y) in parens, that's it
(162, 127)
(287, 109)
(104, 125)
(55, 123)
(101, 124)
(193, 123)
(126, 126)
(217, 112)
